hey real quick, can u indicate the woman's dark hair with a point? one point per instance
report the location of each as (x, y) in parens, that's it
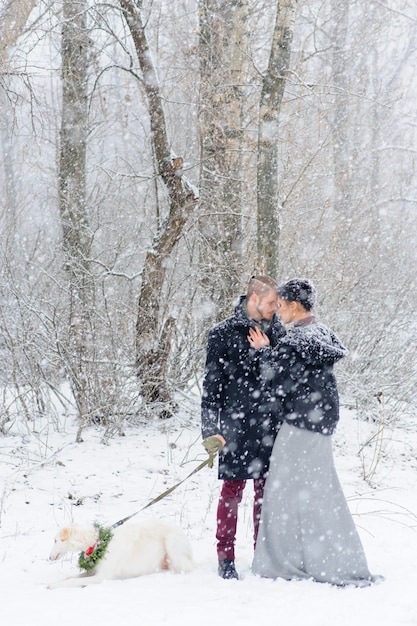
(298, 290)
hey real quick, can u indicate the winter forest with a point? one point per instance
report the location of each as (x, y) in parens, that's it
(155, 154)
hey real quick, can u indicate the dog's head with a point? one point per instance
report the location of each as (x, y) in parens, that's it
(73, 538)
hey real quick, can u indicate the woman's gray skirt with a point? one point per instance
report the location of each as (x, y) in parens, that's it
(306, 528)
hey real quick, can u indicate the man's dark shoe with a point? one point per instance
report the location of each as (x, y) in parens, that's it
(227, 570)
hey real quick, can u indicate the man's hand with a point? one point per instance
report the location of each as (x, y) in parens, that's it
(213, 445)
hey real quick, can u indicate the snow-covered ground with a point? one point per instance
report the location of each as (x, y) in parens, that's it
(47, 480)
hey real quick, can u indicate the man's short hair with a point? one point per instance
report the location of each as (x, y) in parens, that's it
(261, 285)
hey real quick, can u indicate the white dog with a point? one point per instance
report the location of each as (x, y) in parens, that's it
(133, 550)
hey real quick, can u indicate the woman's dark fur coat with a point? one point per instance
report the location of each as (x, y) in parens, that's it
(300, 374)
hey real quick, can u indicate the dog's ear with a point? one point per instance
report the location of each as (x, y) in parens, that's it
(65, 534)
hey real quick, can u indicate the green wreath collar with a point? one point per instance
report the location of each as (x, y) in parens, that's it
(89, 559)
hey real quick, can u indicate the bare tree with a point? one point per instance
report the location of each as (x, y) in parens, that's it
(13, 18)
(273, 86)
(224, 74)
(342, 130)
(76, 234)
(225, 77)
(153, 331)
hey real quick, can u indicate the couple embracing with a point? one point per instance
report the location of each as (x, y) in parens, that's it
(269, 407)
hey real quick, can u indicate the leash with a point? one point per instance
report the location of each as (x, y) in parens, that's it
(166, 493)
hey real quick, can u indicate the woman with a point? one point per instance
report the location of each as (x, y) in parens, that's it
(306, 530)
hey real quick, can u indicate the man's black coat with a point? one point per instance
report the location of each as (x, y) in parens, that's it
(234, 402)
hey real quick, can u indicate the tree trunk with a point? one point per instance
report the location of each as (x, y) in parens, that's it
(72, 195)
(153, 333)
(13, 18)
(268, 136)
(342, 144)
(223, 67)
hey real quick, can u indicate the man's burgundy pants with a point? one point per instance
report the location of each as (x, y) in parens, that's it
(227, 511)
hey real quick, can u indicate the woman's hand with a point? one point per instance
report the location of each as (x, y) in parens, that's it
(257, 338)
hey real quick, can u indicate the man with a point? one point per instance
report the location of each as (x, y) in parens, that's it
(239, 420)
